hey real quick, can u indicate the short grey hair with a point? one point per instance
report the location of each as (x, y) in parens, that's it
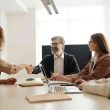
(60, 39)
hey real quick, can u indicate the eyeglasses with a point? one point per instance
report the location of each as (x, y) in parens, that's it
(55, 44)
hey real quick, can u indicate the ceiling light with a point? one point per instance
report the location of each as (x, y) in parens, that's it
(48, 4)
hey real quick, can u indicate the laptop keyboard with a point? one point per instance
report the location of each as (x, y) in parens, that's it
(57, 88)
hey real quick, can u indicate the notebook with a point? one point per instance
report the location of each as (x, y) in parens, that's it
(57, 88)
(56, 96)
(28, 83)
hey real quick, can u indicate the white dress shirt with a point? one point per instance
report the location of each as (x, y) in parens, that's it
(59, 64)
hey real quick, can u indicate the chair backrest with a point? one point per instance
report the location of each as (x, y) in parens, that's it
(81, 53)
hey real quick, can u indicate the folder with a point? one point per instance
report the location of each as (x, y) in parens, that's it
(56, 96)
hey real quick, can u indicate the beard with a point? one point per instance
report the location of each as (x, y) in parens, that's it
(54, 50)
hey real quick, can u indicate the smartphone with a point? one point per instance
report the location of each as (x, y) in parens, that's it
(29, 79)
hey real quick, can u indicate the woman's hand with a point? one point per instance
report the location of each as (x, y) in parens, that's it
(59, 77)
(9, 81)
(79, 82)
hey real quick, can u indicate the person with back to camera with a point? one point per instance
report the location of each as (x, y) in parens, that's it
(98, 66)
(58, 62)
(6, 67)
(98, 87)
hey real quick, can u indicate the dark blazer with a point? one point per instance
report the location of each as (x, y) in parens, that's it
(70, 65)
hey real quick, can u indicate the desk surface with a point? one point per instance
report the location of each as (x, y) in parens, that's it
(12, 97)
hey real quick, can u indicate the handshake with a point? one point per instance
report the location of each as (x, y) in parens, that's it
(29, 69)
(16, 69)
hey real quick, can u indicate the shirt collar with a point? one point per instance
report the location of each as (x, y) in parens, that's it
(62, 56)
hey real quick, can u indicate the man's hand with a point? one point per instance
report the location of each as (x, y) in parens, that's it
(29, 69)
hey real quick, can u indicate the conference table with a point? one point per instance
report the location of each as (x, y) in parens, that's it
(12, 97)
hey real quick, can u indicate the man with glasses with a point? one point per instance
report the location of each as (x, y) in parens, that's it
(58, 62)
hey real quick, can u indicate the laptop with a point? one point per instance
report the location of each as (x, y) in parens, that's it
(60, 86)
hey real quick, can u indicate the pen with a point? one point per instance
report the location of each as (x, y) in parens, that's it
(51, 73)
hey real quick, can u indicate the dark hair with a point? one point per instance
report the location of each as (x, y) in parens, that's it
(1, 38)
(101, 41)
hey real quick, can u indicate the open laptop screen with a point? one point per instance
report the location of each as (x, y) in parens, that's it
(44, 73)
(56, 86)
(53, 82)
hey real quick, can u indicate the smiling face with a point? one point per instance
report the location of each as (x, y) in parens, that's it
(56, 47)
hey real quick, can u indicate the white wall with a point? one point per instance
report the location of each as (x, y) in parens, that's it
(22, 38)
(107, 18)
